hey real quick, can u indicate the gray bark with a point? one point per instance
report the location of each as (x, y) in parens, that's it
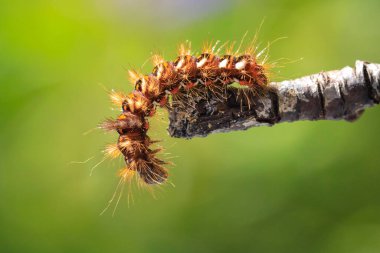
(332, 95)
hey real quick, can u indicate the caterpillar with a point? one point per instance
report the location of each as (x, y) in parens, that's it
(174, 78)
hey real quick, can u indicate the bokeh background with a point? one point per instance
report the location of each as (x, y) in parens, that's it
(294, 187)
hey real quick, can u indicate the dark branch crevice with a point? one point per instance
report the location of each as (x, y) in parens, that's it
(298, 108)
(275, 105)
(322, 100)
(368, 84)
(341, 93)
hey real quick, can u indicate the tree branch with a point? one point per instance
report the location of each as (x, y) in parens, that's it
(332, 95)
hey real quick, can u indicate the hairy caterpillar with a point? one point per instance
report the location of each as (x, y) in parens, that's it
(174, 78)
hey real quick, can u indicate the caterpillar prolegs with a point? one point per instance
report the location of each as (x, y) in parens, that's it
(174, 78)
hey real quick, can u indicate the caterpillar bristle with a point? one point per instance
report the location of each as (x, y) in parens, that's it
(117, 97)
(112, 151)
(184, 49)
(207, 47)
(109, 125)
(186, 78)
(229, 49)
(127, 174)
(134, 76)
(251, 48)
(157, 59)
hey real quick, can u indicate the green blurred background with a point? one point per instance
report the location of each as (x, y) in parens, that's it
(299, 187)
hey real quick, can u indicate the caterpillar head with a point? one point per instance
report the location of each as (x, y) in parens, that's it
(141, 159)
(151, 172)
